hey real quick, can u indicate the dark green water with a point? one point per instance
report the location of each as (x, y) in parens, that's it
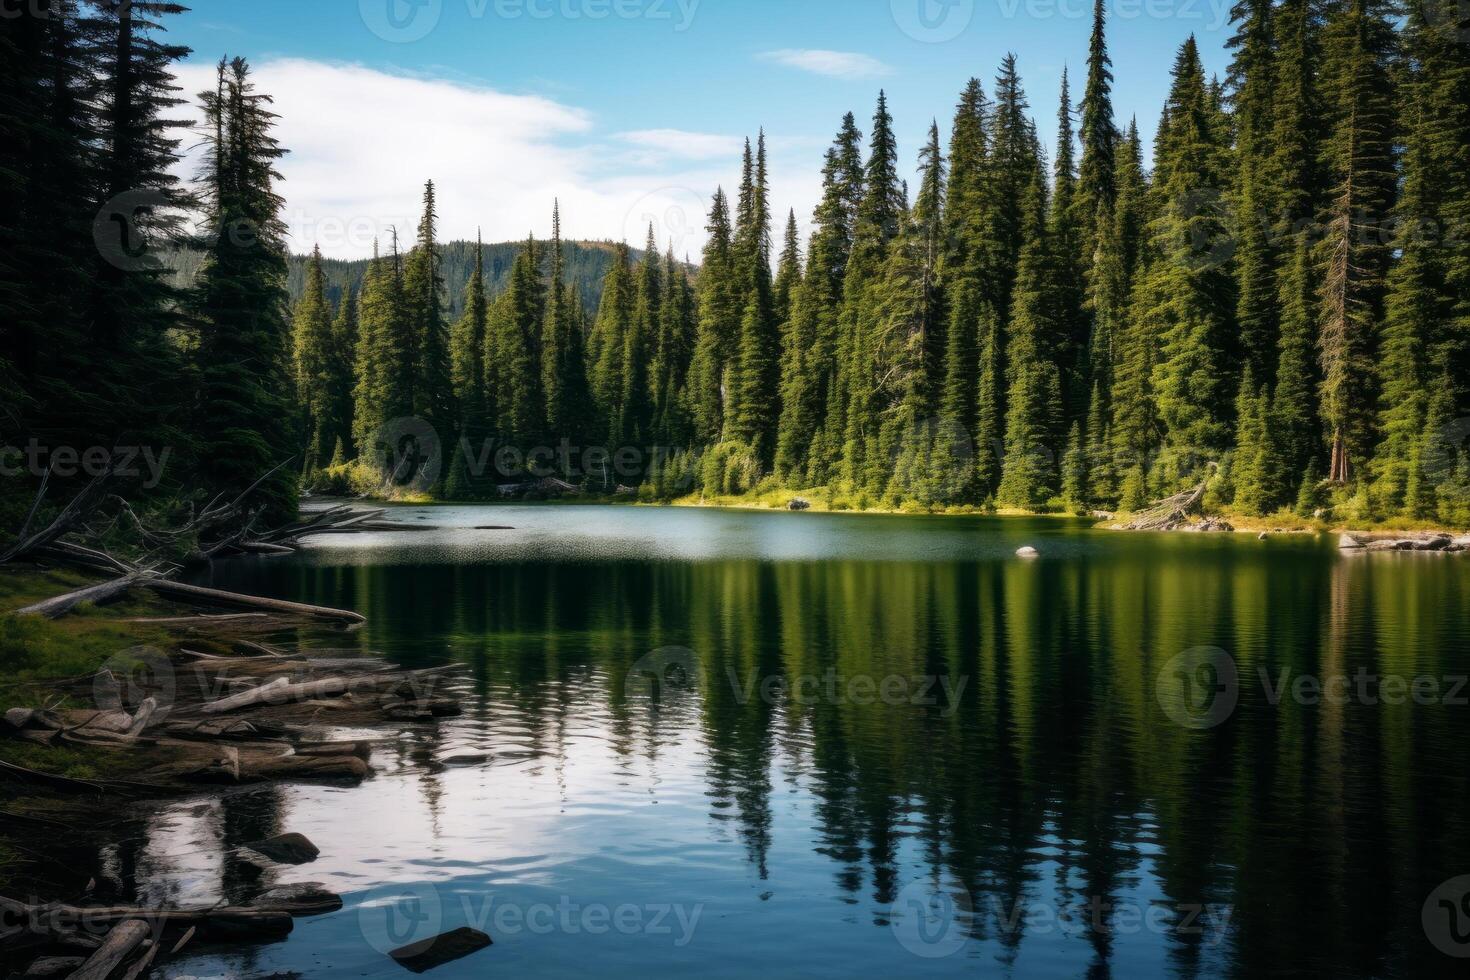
(733, 744)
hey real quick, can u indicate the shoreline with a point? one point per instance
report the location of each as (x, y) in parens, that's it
(1240, 524)
(109, 715)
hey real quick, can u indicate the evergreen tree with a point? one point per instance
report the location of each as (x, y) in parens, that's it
(719, 325)
(1034, 387)
(1187, 291)
(1252, 76)
(1067, 234)
(467, 347)
(1359, 153)
(1294, 401)
(1097, 179)
(240, 303)
(342, 361)
(424, 286)
(516, 326)
(670, 371)
(385, 366)
(608, 345)
(563, 365)
(314, 375)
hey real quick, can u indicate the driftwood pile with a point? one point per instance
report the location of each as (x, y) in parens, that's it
(193, 717)
(1440, 544)
(1183, 511)
(124, 942)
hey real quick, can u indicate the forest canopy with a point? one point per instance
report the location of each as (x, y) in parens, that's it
(1275, 294)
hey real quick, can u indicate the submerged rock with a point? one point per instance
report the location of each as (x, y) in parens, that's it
(423, 956)
(303, 898)
(287, 849)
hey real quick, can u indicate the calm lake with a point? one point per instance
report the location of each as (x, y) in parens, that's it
(732, 744)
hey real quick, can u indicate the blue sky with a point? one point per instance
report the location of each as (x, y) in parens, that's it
(632, 110)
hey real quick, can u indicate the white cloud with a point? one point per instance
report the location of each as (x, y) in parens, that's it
(683, 144)
(834, 64)
(362, 142)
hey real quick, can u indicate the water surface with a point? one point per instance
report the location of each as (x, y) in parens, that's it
(738, 743)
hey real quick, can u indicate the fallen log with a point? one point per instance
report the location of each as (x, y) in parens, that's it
(118, 946)
(201, 619)
(58, 606)
(246, 699)
(198, 592)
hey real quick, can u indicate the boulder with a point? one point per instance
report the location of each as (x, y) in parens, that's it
(1346, 542)
(287, 849)
(799, 504)
(423, 956)
(1027, 552)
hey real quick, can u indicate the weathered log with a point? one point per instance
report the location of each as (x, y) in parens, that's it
(143, 717)
(118, 946)
(192, 592)
(58, 606)
(246, 699)
(53, 966)
(143, 964)
(348, 768)
(201, 619)
(301, 899)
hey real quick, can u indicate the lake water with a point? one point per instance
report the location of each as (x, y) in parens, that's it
(731, 744)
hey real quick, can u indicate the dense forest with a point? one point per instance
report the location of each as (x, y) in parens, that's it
(1277, 294)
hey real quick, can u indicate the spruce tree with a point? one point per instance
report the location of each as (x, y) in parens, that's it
(608, 345)
(312, 360)
(1354, 253)
(719, 325)
(1187, 292)
(1034, 386)
(467, 346)
(240, 304)
(1096, 176)
(423, 284)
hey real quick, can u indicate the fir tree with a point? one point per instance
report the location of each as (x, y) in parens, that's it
(467, 347)
(719, 322)
(1034, 395)
(1097, 180)
(424, 287)
(312, 359)
(240, 304)
(1187, 292)
(1354, 254)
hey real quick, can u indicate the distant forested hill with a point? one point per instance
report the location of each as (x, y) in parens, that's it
(586, 265)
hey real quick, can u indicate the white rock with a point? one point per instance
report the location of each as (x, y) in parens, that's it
(1027, 552)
